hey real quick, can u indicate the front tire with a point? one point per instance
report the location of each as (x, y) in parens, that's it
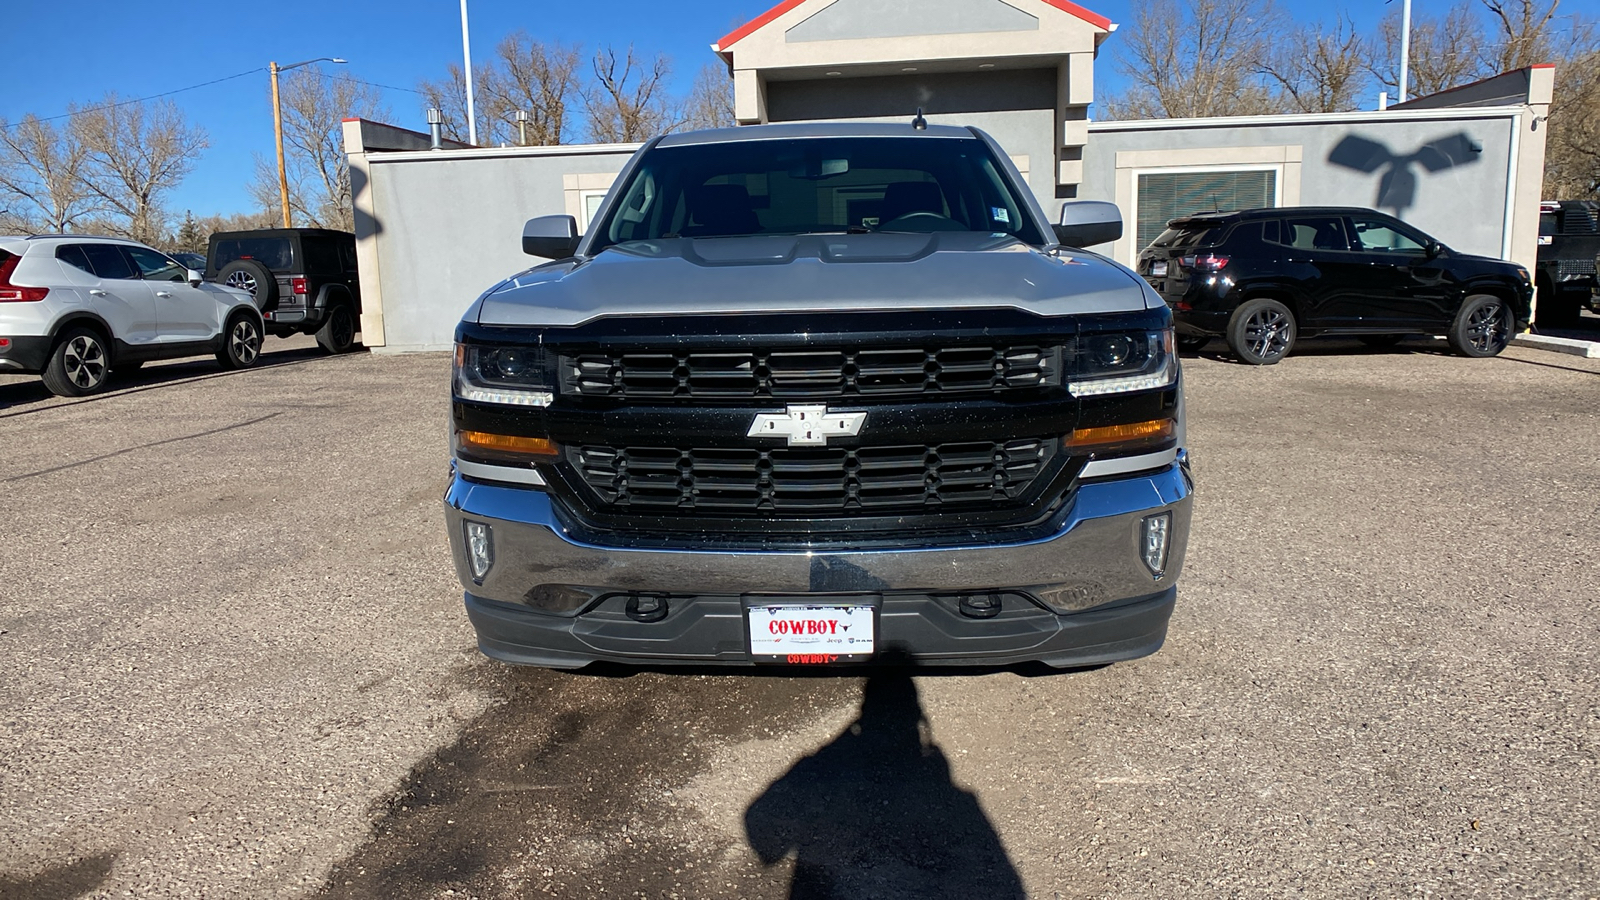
(241, 343)
(1482, 327)
(1261, 332)
(338, 334)
(79, 364)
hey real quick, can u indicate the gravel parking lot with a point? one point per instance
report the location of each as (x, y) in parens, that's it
(235, 665)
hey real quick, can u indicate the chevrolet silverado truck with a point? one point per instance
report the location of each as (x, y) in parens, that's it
(815, 394)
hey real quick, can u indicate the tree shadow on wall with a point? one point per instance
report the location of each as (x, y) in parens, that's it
(875, 814)
(1397, 186)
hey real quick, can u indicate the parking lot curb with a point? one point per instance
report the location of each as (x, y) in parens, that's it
(1585, 349)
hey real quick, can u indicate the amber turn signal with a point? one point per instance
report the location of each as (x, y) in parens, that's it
(507, 443)
(1152, 432)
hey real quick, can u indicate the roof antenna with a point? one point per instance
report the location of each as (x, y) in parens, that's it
(919, 123)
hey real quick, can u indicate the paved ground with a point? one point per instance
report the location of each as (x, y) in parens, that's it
(234, 662)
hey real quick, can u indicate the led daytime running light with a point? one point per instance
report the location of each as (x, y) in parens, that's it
(504, 396)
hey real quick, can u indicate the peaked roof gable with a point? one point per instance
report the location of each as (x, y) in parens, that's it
(738, 34)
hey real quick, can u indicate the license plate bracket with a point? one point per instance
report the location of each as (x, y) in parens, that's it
(811, 630)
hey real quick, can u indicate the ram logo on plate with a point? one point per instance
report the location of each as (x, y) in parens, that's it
(807, 426)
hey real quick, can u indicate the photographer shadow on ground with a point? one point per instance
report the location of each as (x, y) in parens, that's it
(875, 814)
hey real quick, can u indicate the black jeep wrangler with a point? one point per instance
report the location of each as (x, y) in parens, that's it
(1569, 243)
(303, 279)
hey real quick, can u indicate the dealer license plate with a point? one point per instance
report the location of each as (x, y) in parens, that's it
(810, 634)
(1158, 268)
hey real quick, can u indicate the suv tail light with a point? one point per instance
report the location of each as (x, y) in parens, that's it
(11, 293)
(1209, 262)
(298, 284)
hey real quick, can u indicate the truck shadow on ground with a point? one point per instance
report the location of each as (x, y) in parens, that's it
(583, 786)
(23, 397)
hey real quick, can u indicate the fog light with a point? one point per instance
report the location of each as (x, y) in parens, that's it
(480, 549)
(1153, 543)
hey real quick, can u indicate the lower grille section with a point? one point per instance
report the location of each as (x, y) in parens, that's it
(813, 481)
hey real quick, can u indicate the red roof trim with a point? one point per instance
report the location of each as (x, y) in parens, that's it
(351, 119)
(761, 21)
(1094, 19)
(745, 30)
(1543, 66)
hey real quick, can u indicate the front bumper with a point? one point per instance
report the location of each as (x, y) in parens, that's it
(1091, 556)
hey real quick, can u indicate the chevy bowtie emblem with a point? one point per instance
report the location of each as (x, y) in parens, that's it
(807, 426)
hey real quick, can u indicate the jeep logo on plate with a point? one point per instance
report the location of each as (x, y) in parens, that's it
(807, 426)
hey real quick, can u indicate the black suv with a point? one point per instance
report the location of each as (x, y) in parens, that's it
(1569, 244)
(1263, 277)
(303, 279)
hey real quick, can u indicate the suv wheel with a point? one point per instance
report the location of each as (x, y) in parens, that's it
(253, 278)
(241, 345)
(338, 334)
(78, 365)
(1482, 328)
(1261, 331)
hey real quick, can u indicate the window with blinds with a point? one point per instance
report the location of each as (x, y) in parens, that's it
(1167, 195)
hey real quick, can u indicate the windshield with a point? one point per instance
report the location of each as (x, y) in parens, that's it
(811, 185)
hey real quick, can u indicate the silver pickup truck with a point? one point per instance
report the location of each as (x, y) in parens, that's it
(815, 394)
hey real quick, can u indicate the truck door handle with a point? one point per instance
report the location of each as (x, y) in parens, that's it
(167, 294)
(95, 292)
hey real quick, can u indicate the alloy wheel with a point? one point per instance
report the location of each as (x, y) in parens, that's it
(1488, 330)
(244, 281)
(84, 361)
(245, 341)
(1266, 333)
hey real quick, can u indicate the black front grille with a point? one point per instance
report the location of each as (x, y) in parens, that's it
(809, 374)
(812, 481)
(1577, 267)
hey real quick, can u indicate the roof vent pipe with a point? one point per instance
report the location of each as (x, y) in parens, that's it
(435, 129)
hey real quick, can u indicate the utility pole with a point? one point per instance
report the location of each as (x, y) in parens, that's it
(277, 126)
(466, 51)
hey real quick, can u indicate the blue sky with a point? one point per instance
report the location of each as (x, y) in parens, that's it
(138, 49)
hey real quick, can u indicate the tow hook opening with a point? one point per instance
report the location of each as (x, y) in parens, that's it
(980, 606)
(647, 607)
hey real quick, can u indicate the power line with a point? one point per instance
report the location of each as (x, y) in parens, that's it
(143, 99)
(388, 87)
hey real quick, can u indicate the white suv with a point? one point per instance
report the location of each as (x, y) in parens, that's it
(74, 308)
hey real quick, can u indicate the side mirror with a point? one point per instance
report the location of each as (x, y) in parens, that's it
(1085, 223)
(553, 237)
(1434, 248)
(195, 278)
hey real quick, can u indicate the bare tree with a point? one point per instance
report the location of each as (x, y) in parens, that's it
(1445, 52)
(628, 99)
(1524, 34)
(41, 177)
(1200, 58)
(314, 105)
(710, 102)
(135, 154)
(1319, 70)
(534, 77)
(450, 98)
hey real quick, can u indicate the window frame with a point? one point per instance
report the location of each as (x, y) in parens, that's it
(1200, 169)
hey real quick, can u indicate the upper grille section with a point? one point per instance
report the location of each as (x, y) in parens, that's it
(806, 374)
(812, 481)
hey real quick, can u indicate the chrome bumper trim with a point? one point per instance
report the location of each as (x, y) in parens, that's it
(509, 474)
(1093, 552)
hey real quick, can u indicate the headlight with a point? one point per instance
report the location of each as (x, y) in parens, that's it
(1114, 362)
(511, 376)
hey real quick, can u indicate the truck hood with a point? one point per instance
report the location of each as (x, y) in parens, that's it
(815, 273)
